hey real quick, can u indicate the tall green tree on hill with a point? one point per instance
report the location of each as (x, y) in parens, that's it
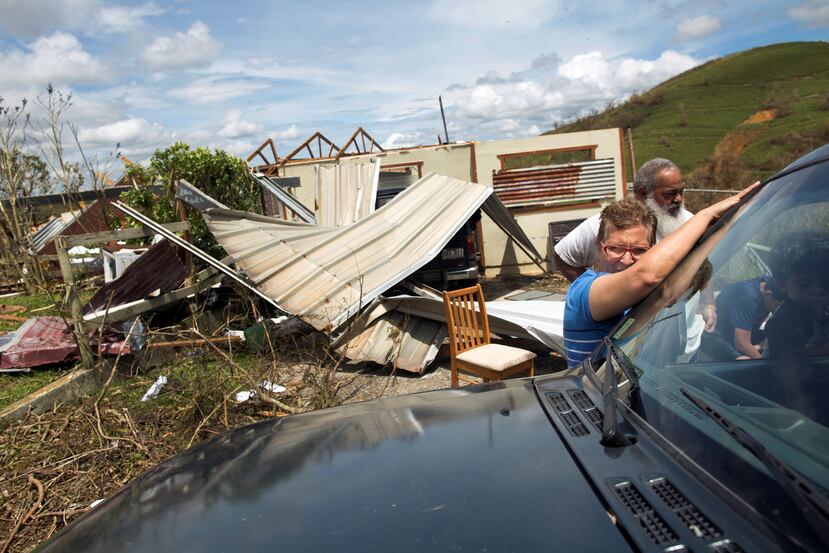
(216, 173)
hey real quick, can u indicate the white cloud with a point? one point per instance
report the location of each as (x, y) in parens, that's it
(129, 132)
(511, 107)
(815, 13)
(193, 48)
(288, 134)
(122, 19)
(29, 18)
(58, 58)
(518, 15)
(590, 68)
(402, 140)
(235, 126)
(212, 90)
(697, 28)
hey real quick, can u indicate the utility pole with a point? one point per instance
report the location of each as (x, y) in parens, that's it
(443, 116)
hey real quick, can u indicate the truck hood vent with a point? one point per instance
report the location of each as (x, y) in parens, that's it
(699, 524)
(651, 522)
(567, 414)
(587, 407)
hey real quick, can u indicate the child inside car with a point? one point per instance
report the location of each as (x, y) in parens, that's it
(800, 268)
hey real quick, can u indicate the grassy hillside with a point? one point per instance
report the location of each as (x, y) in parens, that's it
(736, 118)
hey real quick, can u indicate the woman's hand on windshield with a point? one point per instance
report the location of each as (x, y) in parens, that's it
(717, 210)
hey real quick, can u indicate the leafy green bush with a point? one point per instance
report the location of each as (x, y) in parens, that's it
(216, 173)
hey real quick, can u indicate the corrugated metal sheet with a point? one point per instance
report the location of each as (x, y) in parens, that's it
(346, 193)
(44, 341)
(501, 216)
(556, 184)
(270, 187)
(194, 197)
(207, 258)
(51, 229)
(404, 341)
(324, 275)
(92, 219)
(159, 268)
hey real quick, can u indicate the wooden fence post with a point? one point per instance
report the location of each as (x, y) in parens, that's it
(87, 361)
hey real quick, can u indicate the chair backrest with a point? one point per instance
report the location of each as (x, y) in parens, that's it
(467, 327)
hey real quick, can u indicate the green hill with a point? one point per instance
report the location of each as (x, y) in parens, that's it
(736, 118)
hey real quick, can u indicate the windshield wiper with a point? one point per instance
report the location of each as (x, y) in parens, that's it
(612, 433)
(813, 504)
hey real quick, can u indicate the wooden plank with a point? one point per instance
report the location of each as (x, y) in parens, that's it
(121, 234)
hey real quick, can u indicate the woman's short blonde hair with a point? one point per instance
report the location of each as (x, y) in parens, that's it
(625, 214)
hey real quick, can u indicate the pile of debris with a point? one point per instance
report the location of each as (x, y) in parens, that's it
(339, 269)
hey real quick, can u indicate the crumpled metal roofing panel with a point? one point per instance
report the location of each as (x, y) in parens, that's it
(159, 268)
(346, 192)
(48, 340)
(324, 275)
(390, 337)
(271, 187)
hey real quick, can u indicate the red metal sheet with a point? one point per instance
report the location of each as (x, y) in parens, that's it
(92, 219)
(47, 340)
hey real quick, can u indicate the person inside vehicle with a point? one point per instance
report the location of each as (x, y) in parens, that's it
(659, 185)
(742, 309)
(630, 264)
(800, 267)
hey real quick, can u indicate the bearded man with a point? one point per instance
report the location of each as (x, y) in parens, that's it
(659, 185)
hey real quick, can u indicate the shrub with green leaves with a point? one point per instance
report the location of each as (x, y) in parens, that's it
(216, 173)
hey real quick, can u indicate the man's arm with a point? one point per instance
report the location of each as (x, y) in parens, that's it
(570, 273)
(709, 309)
(574, 253)
(742, 343)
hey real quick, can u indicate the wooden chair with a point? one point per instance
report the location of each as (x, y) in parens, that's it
(469, 341)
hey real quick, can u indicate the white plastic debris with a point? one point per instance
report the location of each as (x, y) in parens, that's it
(271, 387)
(245, 395)
(95, 503)
(155, 388)
(236, 334)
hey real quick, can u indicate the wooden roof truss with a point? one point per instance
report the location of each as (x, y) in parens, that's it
(358, 139)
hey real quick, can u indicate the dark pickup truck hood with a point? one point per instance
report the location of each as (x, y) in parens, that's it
(479, 469)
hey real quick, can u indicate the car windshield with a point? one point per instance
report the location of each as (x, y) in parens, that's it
(765, 366)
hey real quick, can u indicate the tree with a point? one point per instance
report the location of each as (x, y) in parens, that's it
(21, 174)
(216, 173)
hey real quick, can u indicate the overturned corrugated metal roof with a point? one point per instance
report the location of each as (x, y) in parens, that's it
(324, 275)
(160, 269)
(346, 193)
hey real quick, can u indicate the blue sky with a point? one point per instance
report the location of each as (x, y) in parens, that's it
(231, 74)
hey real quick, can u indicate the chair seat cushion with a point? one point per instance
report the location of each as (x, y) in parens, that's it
(495, 357)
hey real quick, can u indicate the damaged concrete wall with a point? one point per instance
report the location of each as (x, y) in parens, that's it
(502, 257)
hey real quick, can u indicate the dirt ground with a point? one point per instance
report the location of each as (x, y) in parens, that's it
(56, 464)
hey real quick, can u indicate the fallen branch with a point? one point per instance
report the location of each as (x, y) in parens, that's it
(41, 493)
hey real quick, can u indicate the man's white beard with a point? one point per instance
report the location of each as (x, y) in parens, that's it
(665, 222)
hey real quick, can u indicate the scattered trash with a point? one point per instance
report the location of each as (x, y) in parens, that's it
(271, 387)
(244, 395)
(154, 390)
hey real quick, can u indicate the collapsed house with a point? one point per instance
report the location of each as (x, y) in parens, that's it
(329, 255)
